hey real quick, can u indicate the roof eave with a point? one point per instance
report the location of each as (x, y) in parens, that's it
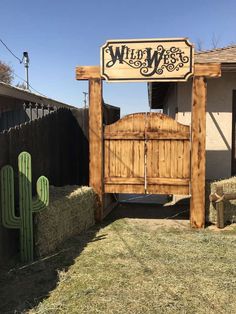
(18, 93)
(228, 67)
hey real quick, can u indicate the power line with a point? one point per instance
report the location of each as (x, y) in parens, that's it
(11, 51)
(20, 62)
(29, 85)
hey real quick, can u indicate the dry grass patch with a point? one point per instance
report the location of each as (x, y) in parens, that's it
(131, 268)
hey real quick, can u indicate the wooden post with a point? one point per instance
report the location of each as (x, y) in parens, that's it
(96, 141)
(198, 156)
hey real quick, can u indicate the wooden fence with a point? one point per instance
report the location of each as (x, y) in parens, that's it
(59, 150)
(55, 143)
(58, 144)
(23, 113)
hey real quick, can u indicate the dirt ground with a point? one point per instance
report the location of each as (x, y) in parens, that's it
(24, 286)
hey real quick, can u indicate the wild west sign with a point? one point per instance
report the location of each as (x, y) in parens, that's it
(147, 60)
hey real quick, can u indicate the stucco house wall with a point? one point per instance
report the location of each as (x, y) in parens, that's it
(218, 121)
(177, 104)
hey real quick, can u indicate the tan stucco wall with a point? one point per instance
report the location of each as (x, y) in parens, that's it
(218, 122)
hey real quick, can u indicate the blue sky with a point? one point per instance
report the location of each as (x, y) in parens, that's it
(59, 35)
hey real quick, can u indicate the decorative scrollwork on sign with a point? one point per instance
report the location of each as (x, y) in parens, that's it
(156, 61)
(150, 60)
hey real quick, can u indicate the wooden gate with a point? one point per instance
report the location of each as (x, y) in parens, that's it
(147, 153)
(171, 137)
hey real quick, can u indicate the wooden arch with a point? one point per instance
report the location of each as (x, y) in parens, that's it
(198, 137)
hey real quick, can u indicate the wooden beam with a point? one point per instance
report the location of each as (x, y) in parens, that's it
(118, 180)
(168, 181)
(96, 142)
(125, 135)
(168, 135)
(88, 72)
(198, 155)
(124, 188)
(161, 135)
(158, 181)
(207, 69)
(200, 69)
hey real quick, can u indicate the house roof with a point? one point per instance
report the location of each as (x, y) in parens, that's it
(28, 96)
(221, 55)
(157, 92)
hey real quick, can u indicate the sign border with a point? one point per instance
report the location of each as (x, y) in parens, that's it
(151, 40)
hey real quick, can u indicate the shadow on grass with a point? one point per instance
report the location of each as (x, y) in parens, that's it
(23, 287)
(150, 211)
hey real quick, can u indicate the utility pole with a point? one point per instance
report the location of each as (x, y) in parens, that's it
(26, 64)
(85, 99)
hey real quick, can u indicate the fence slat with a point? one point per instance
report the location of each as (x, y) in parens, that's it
(59, 151)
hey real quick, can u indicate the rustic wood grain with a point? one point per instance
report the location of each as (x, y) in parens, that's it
(165, 155)
(168, 135)
(168, 189)
(210, 70)
(124, 188)
(161, 140)
(125, 139)
(174, 161)
(88, 72)
(198, 156)
(168, 181)
(200, 69)
(96, 141)
(166, 144)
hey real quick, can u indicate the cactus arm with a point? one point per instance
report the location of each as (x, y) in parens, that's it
(43, 194)
(25, 202)
(9, 219)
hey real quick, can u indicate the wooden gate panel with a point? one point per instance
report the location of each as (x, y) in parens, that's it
(125, 170)
(147, 153)
(154, 162)
(124, 158)
(186, 160)
(168, 155)
(174, 161)
(124, 155)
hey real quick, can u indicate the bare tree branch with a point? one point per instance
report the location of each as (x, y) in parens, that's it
(199, 44)
(6, 73)
(215, 41)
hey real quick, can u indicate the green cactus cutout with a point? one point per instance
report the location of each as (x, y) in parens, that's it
(27, 205)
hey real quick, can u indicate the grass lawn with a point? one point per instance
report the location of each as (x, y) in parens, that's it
(138, 266)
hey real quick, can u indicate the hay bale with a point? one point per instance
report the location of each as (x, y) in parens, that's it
(70, 211)
(229, 186)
